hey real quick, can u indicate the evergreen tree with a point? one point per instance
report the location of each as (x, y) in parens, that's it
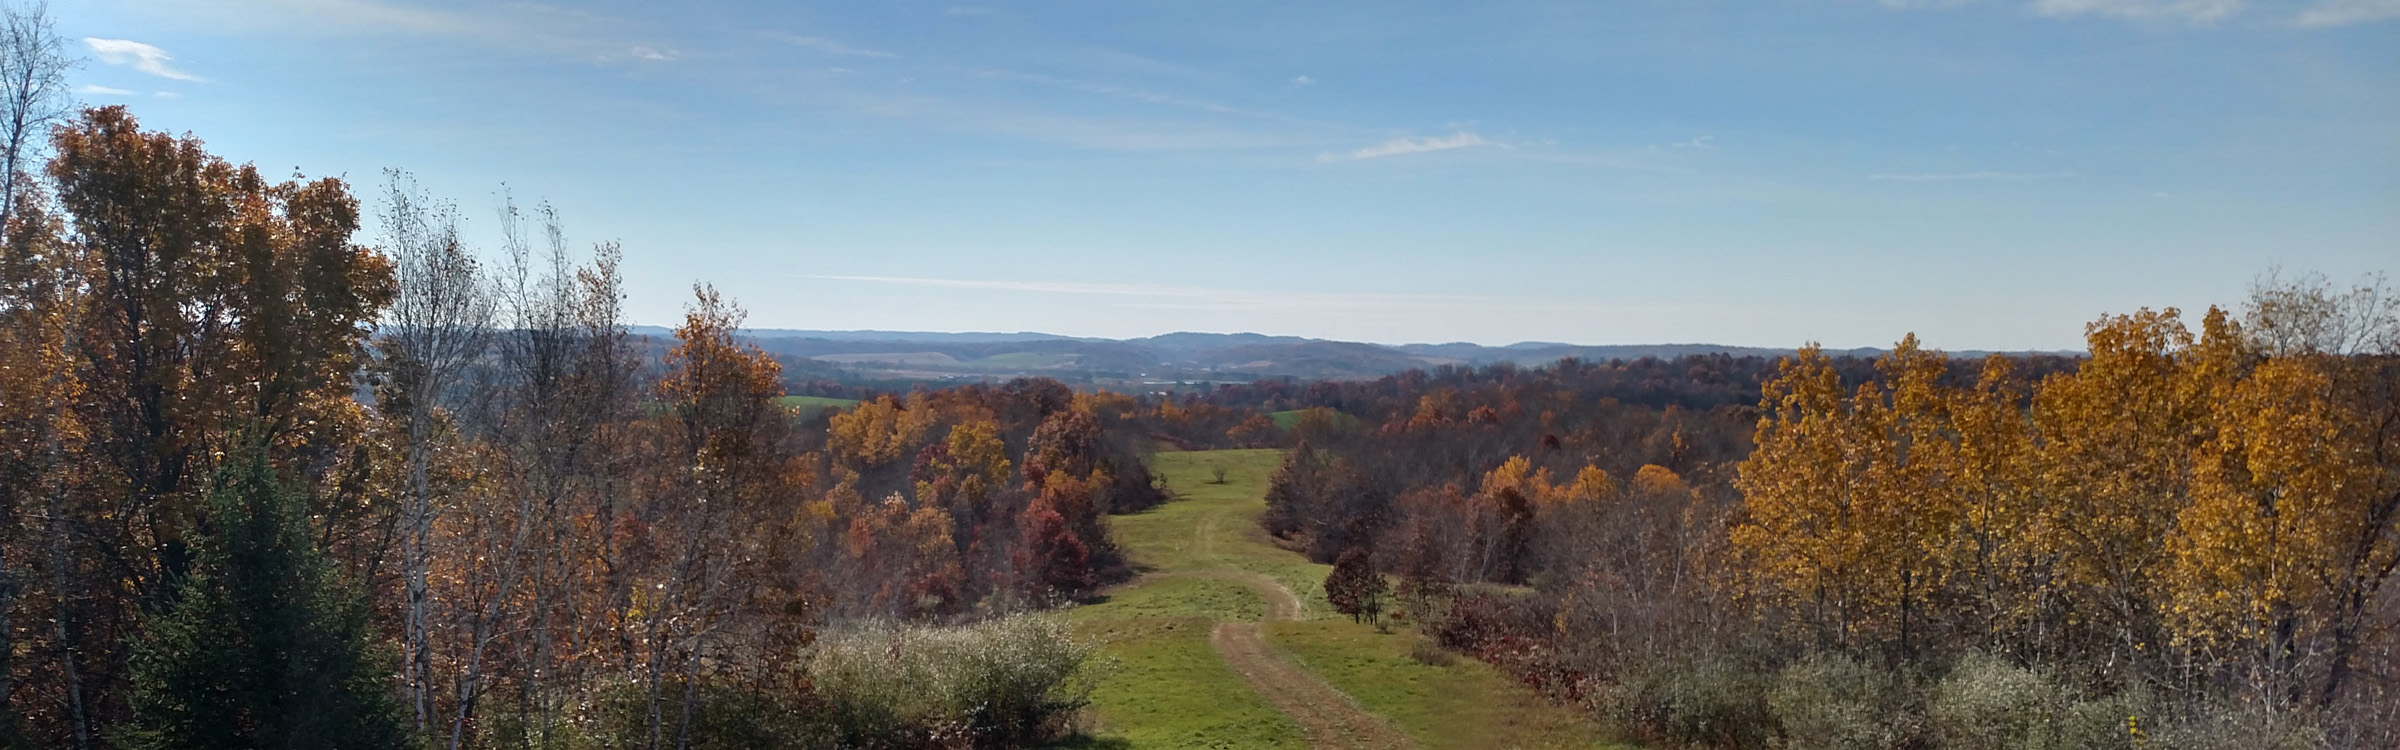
(263, 645)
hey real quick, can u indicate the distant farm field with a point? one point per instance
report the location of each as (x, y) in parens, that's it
(1021, 360)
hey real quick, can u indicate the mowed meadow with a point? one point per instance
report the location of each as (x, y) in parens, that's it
(1202, 563)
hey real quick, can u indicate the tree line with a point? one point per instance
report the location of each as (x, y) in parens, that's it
(261, 483)
(2180, 539)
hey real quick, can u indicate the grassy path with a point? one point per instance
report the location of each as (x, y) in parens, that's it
(1331, 719)
(1226, 641)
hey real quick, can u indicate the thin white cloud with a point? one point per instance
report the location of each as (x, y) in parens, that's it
(1299, 81)
(557, 29)
(139, 56)
(1141, 95)
(2194, 11)
(1706, 141)
(99, 90)
(1399, 146)
(1968, 176)
(2346, 12)
(372, 16)
(828, 46)
(2317, 14)
(651, 53)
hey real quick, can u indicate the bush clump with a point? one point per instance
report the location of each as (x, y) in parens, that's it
(1833, 702)
(1987, 703)
(1004, 682)
(1705, 699)
(725, 715)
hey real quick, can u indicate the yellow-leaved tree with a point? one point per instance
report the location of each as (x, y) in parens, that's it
(2116, 443)
(1801, 539)
(2290, 534)
(1846, 496)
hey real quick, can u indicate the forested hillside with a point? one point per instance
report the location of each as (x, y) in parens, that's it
(2182, 540)
(261, 484)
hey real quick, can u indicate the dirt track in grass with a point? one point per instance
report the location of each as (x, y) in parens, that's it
(1227, 641)
(1331, 719)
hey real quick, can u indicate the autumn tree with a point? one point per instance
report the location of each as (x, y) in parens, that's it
(207, 296)
(1354, 588)
(1051, 556)
(712, 516)
(2290, 535)
(2117, 441)
(40, 436)
(33, 91)
(440, 322)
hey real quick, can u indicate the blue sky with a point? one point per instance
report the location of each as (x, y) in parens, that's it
(1989, 174)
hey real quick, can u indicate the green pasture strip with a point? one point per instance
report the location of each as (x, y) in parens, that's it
(1212, 598)
(1171, 690)
(1467, 704)
(1215, 526)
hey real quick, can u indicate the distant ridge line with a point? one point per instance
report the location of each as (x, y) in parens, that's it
(1191, 339)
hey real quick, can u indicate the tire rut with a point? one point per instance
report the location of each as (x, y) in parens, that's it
(1330, 718)
(1327, 715)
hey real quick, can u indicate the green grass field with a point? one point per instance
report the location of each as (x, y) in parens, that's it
(1171, 689)
(1467, 704)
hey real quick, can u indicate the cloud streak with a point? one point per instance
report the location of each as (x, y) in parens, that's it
(1401, 146)
(1969, 176)
(2320, 14)
(2346, 12)
(139, 56)
(2194, 11)
(829, 46)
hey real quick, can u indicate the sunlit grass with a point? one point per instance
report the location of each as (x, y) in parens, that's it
(1466, 704)
(1170, 690)
(1212, 598)
(1215, 526)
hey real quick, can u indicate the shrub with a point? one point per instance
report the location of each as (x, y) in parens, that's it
(1001, 682)
(2122, 720)
(1706, 699)
(725, 716)
(1425, 651)
(1832, 702)
(2244, 726)
(1986, 703)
